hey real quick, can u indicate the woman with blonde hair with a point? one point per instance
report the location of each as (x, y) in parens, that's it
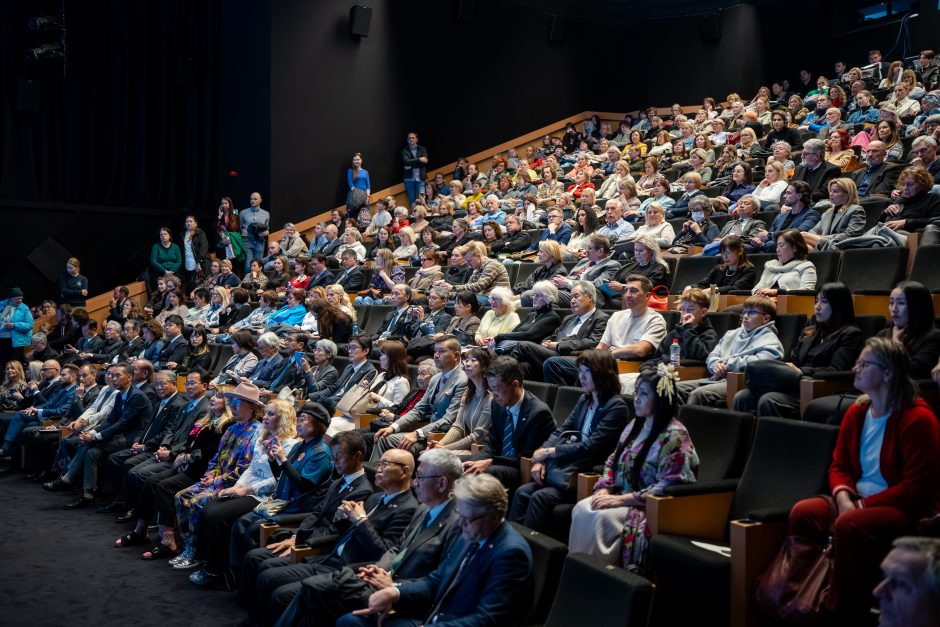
(340, 299)
(844, 219)
(13, 389)
(386, 274)
(407, 249)
(769, 190)
(502, 318)
(610, 187)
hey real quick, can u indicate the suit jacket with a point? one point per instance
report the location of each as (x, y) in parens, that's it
(494, 587)
(598, 274)
(381, 531)
(534, 426)
(818, 180)
(83, 402)
(329, 248)
(91, 344)
(133, 348)
(324, 377)
(346, 380)
(288, 375)
(176, 435)
(319, 522)
(438, 406)
(266, 370)
(152, 434)
(400, 327)
(126, 416)
(108, 350)
(352, 281)
(882, 181)
(583, 453)
(173, 351)
(588, 336)
(56, 401)
(147, 388)
(424, 547)
(418, 328)
(322, 280)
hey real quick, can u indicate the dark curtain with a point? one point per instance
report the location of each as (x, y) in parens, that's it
(133, 122)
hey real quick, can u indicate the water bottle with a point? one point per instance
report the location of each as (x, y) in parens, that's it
(430, 327)
(675, 353)
(355, 328)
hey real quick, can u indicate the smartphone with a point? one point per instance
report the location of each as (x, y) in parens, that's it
(298, 355)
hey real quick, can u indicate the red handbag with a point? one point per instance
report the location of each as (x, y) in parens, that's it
(657, 301)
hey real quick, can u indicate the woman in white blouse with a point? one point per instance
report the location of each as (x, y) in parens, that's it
(656, 227)
(407, 250)
(769, 190)
(391, 385)
(502, 318)
(472, 424)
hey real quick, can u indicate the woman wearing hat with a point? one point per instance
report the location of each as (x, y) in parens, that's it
(16, 326)
(283, 477)
(233, 458)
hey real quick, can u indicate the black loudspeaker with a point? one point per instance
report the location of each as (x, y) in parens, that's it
(556, 30)
(465, 10)
(709, 30)
(360, 18)
(49, 258)
(28, 95)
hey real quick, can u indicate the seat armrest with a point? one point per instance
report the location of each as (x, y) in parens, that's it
(735, 384)
(265, 531)
(811, 389)
(586, 481)
(753, 546)
(701, 487)
(691, 373)
(769, 515)
(700, 515)
(525, 469)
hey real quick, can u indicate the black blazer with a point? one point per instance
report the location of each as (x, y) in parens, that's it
(322, 280)
(883, 180)
(424, 548)
(537, 326)
(817, 180)
(582, 454)
(83, 402)
(838, 352)
(322, 378)
(176, 435)
(200, 249)
(535, 425)
(382, 530)
(352, 281)
(173, 351)
(402, 324)
(147, 388)
(417, 328)
(319, 522)
(126, 416)
(345, 381)
(133, 348)
(588, 336)
(329, 249)
(152, 434)
(542, 273)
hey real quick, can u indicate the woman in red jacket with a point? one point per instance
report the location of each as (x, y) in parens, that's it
(884, 476)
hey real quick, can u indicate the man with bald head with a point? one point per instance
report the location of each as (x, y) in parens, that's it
(368, 529)
(878, 178)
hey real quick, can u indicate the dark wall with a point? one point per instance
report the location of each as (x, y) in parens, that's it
(463, 86)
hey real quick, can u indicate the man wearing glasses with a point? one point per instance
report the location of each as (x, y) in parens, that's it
(754, 340)
(815, 170)
(596, 267)
(557, 231)
(358, 370)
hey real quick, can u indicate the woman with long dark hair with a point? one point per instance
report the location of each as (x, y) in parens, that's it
(472, 424)
(195, 249)
(229, 244)
(830, 342)
(578, 444)
(654, 451)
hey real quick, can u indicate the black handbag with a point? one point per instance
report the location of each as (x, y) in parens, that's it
(564, 478)
(770, 375)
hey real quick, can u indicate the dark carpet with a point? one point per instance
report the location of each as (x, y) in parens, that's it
(60, 567)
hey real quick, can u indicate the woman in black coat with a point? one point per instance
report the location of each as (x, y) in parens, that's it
(830, 343)
(195, 248)
(549, 258)
(538, 325)
(736, 273)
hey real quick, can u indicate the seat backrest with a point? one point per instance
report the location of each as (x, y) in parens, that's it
(548, 559)
(566, 397)
(691, 270)
(600, 595)
(373, 323)
(722, 439)
(543, 391)
(671, 317)
(874, 206)
(827, 266)
(724, 321)
(789, 461)
(362, 315)
(789, 328)
(512, 270)
(759, 260)
(925, 267)
(873, 270)
(870, 325)
(340, 362)
(525, 271)
(224, 354)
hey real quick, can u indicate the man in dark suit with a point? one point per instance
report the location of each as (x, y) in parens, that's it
(358, 370)
(368, 530)
(396, 321)
(815, 170)
(145, 443)
(582, 330)
(351, 277)
(320, 276)
(89, 344)
(143, 379)
(118, 297)
(878, 178)
(270, 362)
(131, 409)
(174, 344)
(519, 423)
(429, 538)
(111, 346)
(290, 374)
(485, 579)
(333, 242)
(135, 344)
(424, 324)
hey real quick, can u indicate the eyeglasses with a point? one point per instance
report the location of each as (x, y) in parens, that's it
(234, 403)
(423, 477)
(462, 519)
(752, 312)
(385, 463)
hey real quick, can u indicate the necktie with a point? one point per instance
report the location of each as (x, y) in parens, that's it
(280, 376)
(405, 545)
(509, 429)
(453, 582)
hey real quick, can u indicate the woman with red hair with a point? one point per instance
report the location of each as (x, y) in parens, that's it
(839, 149)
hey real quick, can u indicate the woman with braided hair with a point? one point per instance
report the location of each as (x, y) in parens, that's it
(653, 452)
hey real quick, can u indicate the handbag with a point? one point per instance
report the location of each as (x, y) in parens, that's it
(770, 375)
(564, 478)
(355, 400)
(795, 587)
(658, 302)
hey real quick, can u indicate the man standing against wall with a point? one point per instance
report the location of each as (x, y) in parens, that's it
(415, 160)
(255, 222)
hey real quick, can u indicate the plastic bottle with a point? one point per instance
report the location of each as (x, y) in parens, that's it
(675, 353)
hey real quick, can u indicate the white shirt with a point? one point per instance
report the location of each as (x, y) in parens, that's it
(624, 329)
(873, 434)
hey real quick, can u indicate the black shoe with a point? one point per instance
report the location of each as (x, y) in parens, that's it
(127, 516)
(112, 508)
(34, 476)
(59, 485)
(82, 501)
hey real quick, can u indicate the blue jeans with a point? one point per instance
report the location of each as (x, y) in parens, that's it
(254, 249)
(560, 371)
(413, 187)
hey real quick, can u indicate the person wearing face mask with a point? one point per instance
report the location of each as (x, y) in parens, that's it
(692, 183)
(699, 229)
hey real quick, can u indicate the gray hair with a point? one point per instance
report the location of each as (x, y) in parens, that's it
(816, 146)
(327, 346)
(482, 491)
(930, 548)
(443, 460)
(112, 324)
(440, 292)
(700, 200)
(784, 144)
(547, 290)
(933, 118)
(924, 139)
(169, 375)
(612, 203)
(504, 294)
(39, 338)
(269, 340)
(428, 365)
(587, 287)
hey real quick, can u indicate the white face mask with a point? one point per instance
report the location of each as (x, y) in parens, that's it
(698, 216)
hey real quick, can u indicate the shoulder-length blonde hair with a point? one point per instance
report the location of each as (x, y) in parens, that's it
(287, 423)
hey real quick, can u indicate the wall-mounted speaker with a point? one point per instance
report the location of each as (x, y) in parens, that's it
(360, 18)
(556, 30)
(710, 30)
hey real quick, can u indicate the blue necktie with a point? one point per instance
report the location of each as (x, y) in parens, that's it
(509, 449)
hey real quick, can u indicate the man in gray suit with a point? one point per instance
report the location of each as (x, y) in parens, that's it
(429, 538)
(438, 406)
